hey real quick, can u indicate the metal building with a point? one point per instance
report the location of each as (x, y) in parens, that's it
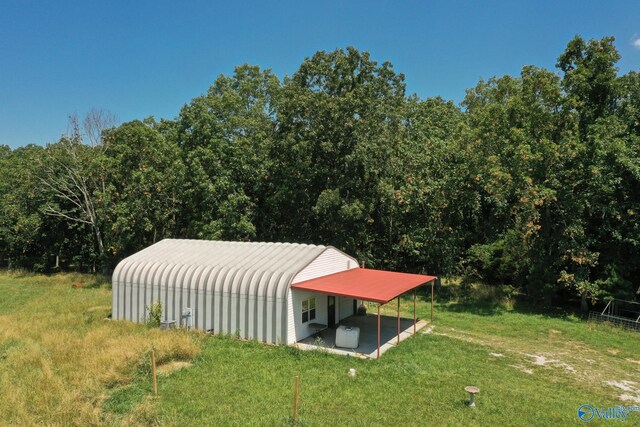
(238, 288)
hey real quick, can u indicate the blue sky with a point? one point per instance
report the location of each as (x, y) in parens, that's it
(138, 59)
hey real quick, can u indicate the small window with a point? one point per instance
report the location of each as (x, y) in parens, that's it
(308, 310)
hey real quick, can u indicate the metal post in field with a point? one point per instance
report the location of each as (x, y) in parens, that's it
(432, 302)
(414, 312)
(378, 355)
(398, 342)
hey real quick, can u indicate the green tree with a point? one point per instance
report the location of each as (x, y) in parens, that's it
(223, 136)
(338, 122)
(21, 222)
(590, 78)
(557, 159)
(428, 208)
(73, 177)
(144, 191)
(515, 150)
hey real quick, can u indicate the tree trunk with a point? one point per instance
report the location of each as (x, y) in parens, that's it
(99, 241)
(101, 252)
(584, 304)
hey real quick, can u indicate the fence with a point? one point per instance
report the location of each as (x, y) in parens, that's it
(621, 313)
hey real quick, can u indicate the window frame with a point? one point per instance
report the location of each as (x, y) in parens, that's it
(310, 311)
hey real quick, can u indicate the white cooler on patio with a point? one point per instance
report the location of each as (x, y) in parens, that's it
(347, 336)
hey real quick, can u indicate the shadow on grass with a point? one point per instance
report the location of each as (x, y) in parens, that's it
(18, 273)
(492, 300)
(548, 311)
(99, 281)
(484, 308)
(480, 309)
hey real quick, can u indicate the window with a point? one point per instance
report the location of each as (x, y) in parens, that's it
(308, 309)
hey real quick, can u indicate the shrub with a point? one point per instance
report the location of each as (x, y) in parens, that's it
(155, 314)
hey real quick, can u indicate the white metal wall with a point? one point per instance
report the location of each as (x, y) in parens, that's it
(345, 307)
(232, 287)
(302, 330)
(329, 262)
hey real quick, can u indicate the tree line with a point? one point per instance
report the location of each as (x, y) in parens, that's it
(533, 181)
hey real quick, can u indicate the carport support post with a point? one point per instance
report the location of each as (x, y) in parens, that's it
(414, 312)
(398, 319)
(432, 302)
(378, 356)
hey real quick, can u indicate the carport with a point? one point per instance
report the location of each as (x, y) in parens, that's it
(376, 286)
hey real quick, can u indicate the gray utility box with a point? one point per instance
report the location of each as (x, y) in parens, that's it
(186, 321)
(167, 324)
(347, 336)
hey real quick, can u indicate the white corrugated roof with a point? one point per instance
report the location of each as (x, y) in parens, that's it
(244, 267)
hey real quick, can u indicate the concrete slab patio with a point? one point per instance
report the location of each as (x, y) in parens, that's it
(368, 343)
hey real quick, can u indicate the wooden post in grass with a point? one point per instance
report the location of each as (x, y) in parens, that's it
(296, 386)
(153, 368)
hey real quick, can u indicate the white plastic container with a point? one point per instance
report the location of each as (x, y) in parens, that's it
(347, 336)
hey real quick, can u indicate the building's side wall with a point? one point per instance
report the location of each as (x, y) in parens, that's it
(291, 320)
(245, 296)
(328, 262)
(345, 307)
(302, 330)
(218, 309)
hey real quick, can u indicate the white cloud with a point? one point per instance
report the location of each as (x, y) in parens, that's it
(636, 42)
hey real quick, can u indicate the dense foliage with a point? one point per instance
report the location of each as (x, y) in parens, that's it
(534, 181)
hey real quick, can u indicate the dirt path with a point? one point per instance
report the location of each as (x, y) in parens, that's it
(588, 366)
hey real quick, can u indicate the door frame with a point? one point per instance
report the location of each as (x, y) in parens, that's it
(331, 311)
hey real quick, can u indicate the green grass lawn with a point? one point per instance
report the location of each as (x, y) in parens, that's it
(421, 382)
(531, 368)
(59, 358)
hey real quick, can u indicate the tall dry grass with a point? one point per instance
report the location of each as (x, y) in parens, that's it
(59, 357)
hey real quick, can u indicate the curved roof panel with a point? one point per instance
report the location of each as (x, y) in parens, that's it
(249, 268)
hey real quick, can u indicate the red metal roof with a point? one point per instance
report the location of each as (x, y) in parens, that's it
(365, 284)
